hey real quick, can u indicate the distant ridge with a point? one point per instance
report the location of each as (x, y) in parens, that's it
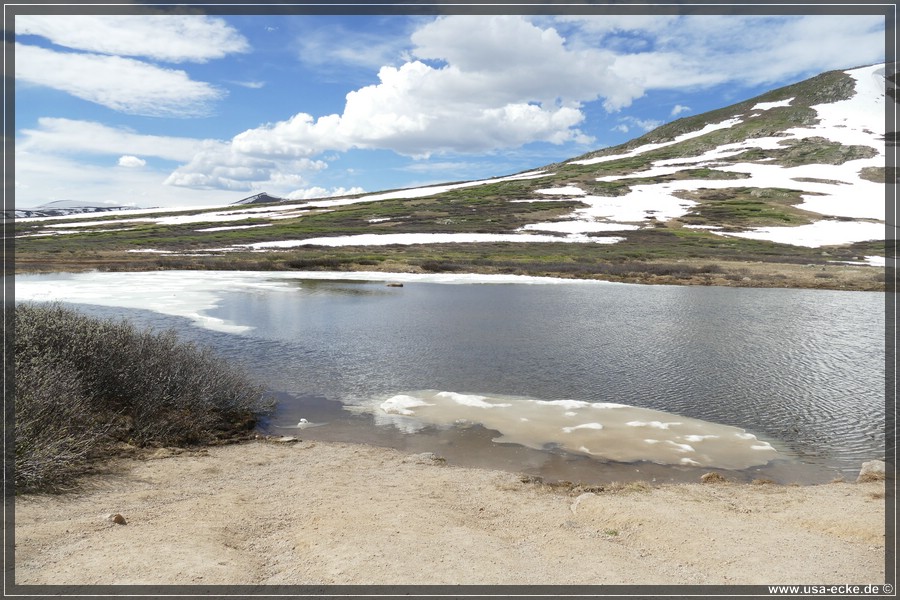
(61, 208)
(260, 198)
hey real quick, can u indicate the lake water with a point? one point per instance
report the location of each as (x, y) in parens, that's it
(569, 381)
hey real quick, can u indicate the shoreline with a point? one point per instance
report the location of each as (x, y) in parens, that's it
(736, 274)
(329, 513)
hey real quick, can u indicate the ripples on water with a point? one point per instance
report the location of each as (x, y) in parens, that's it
(803, 369)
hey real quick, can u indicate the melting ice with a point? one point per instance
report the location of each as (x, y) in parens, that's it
(606, 431)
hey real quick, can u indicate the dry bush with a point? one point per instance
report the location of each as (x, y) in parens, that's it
(82, 382)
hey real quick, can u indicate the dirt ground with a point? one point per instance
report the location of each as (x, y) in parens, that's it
(333, 513)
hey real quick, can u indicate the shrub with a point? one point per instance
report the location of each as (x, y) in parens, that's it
(54, 431)
(82, 383)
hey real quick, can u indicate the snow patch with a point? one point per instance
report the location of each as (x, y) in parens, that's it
(385, 239)
(768, 105)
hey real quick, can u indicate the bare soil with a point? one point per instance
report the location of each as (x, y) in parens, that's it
(334, 513)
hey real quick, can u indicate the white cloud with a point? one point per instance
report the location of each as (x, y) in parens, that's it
(69, 136)
(43, 178)
(509, 59)
(510, 84)
(170, 38)
(209, 164)
(252, 85)
(686, 52)
(678, 109)
(131, 162)
(643, 124)
(320, 192)
(335, 46)
(222, 166)
(122, 84)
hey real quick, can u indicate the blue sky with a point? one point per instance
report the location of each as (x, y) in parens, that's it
(204, 110)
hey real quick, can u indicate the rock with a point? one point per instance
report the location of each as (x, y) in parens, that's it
(872, 470)
(164, 453)
(284, 439)
(117, 519)
(425, 458)
(711, 477)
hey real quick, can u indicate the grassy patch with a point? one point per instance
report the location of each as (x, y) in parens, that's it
(746, 207)
(806, 151)
(880, 174)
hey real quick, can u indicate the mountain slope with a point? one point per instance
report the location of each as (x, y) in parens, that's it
(793, 177)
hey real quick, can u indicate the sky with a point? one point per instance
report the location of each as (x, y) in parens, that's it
(202, 110)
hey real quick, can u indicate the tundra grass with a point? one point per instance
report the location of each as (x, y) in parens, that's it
(745, 207)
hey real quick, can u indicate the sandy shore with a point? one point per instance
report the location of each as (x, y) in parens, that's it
(331, 513)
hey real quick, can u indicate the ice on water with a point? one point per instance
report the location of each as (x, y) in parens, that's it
(605, 431)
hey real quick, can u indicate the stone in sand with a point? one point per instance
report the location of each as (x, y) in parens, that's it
(872, 470)
(711, 477)
(285, 439)
(425, 458)
(117, 518)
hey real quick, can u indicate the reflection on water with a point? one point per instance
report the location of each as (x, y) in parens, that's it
(802, 369)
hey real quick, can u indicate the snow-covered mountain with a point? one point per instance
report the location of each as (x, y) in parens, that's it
(62, 208)
(831, 153)
(801, 167)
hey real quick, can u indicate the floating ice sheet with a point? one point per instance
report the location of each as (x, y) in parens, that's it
(605, 431)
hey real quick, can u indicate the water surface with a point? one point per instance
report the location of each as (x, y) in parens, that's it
(801, 371)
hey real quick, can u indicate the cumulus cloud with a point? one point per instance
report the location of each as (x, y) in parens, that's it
(510, 84)
(169, 38)
(122, 84)
(678, 109)
(320, 192)
(207, 163)
(222, 166)
(510, 59)
(131, 162)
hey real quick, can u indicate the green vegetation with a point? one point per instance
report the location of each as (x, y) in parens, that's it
(480, 209)
(745, 207)
(84, 386)
(808, 151)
